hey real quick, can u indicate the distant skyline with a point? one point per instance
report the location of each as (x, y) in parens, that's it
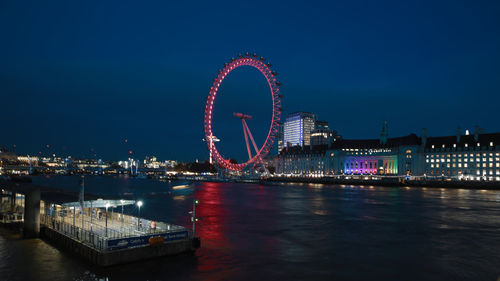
(84, 76)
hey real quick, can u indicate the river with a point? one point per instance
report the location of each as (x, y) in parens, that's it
(290, 231)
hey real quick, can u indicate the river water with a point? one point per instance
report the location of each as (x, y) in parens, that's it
(291, 231)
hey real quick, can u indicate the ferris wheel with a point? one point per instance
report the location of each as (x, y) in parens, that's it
(256, 156)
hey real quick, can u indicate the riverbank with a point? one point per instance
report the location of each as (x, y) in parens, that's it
(392, 182)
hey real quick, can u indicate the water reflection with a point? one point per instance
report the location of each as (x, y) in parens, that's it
(300, 231)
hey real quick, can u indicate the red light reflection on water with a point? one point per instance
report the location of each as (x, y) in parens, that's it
(212, 215)
(210, 227)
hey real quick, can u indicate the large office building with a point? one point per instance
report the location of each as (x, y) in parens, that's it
(463, 157)
(323, 134)
(297, 129)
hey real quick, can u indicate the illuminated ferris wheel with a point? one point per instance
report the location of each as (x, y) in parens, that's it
(254, 158)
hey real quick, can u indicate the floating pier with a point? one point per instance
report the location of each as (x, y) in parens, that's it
(93, 229)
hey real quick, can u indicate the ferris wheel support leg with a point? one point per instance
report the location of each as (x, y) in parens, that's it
(251, 137)
(259, 159)
(243, 123)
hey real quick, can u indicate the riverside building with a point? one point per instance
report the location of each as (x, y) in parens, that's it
(470, 156)
(461, 157)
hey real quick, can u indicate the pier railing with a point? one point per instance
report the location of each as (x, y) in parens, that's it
(98, 236)
(85, 236)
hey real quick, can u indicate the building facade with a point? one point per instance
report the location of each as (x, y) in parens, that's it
(468, 157)
(323, 134)
(297, 129)
(281, 143)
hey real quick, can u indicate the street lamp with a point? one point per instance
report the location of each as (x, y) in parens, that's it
(107, 206)
(139, 204)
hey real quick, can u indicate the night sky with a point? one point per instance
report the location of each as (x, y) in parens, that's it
(83, 77)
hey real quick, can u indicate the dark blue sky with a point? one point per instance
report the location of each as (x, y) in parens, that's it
(79, 75)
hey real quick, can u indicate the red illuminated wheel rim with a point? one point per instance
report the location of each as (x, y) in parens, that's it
(265, 69)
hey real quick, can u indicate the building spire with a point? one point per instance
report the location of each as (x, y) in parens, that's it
(384, 133)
